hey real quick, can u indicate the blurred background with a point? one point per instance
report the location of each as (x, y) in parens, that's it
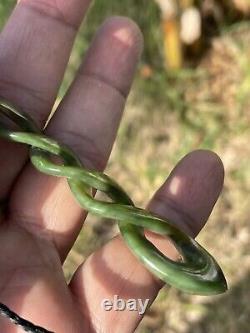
(191, 91)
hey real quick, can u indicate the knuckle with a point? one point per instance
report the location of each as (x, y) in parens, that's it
(84, 147)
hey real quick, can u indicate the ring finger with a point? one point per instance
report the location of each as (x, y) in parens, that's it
(34, 50)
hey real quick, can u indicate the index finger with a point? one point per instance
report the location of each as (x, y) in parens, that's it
(187, 199)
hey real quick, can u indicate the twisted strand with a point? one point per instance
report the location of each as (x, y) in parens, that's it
(196, 273)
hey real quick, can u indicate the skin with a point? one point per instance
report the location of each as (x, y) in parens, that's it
(43, 218)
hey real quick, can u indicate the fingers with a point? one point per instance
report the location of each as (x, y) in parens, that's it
(187, 199)
(34, 50)
(87, 121)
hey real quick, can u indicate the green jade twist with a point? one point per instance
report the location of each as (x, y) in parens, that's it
(196, 273)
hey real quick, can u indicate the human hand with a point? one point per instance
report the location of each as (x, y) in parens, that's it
(43, 219)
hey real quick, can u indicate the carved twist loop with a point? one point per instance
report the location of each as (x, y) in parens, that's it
(197, 272)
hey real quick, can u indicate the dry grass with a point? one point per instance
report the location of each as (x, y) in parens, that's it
(216, 117)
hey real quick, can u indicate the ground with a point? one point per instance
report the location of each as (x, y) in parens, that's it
(210, 110)
(203, 107)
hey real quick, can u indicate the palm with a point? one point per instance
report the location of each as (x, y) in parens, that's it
(43, 219)
(37, 266)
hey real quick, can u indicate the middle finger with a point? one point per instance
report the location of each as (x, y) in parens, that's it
(87, 121)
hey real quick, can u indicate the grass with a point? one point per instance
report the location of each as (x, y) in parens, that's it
(203, 107)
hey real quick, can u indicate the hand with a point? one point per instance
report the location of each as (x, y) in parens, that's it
(43, 218)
